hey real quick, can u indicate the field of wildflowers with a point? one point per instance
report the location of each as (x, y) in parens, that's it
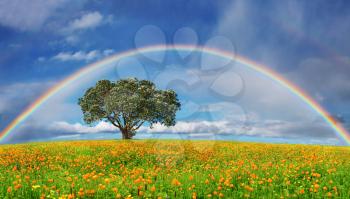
(173, 169)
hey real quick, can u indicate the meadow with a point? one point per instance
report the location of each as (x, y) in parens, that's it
(173, 169)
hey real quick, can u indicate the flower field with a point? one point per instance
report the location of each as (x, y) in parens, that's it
(173, 169)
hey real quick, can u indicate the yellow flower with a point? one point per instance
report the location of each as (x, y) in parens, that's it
(35, 186)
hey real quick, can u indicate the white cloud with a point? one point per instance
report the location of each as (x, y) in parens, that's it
(77, 56)
(108, 52)
(88, 21)
(265, 128)
(82, 55)
(79, 128)
(190, 127)
(27, 15)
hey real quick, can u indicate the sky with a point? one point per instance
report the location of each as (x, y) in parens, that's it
(44, 41)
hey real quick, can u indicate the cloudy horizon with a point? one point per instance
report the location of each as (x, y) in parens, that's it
(219, 96)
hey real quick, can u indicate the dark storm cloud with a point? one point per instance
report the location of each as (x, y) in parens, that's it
(324, 77)
(15, 97)
(313, 55)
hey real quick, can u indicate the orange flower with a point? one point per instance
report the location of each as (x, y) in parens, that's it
(102, 187)
(175, 182)
(9, 189)
(194, 195)
(248, 188)
(153, 188)
(18, 186)
(140, 193)
(138, 180)
(81, 192)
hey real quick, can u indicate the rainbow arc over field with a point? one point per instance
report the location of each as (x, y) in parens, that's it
(338, 128)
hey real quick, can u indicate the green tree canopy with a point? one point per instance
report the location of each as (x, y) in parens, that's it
(128, 104)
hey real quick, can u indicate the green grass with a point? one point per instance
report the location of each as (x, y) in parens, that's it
(173, 169)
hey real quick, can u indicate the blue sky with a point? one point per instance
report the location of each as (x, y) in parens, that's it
(44, 41)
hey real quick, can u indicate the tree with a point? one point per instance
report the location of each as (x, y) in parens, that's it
(128, 104)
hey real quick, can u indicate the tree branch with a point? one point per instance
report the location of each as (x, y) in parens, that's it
(118, 121)
(114, 124)
(112, 121)
(138, 126)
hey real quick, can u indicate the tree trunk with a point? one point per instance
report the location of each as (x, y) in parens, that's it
(125, 134)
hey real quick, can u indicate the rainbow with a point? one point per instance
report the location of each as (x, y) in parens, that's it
(339, 129)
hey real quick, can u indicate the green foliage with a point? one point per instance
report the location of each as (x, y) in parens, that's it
(128, 104)
(173, 169)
